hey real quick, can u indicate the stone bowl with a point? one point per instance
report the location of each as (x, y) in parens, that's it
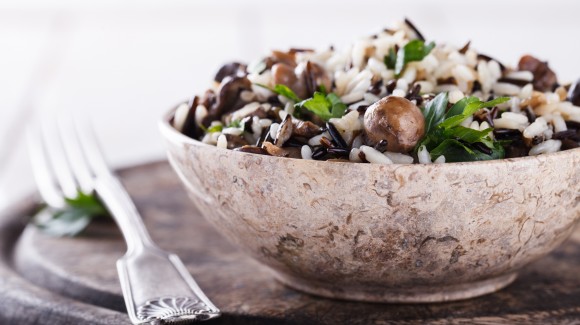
(383, 233)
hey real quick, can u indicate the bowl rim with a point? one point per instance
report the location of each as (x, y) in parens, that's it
(170, 133)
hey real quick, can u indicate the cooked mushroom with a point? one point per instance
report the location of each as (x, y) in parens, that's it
(574, 93)
(235, 141)
(252, 149)
(277, 151)
(305, 129)
(232, 69)
(288, 58)
(283, 74)
(396, 120)
(314, 76)
(544, 77)
(284, 131)
(228, 98)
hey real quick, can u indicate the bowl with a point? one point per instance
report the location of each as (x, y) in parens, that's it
(383, 233)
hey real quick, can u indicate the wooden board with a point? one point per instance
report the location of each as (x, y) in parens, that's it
(45, 280)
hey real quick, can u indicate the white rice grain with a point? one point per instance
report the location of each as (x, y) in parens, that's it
(306, 152)
(467, 122)
(273, 130)
(200, 114)
(423, 155)
(233, 131)
(504, 88)
(399, 93)
(357, 142)
(222, 141)
(559, 123)
(426, 86)
(547, 146)
(521, 75)
(535, 129)
(439, 160)
(374, 156)
(315, 140)
(245, 111)
(265, 122)
(399, 158)
(455, 96)
(180, 116)
(509, 120)
(354, 155)
(474, 125)
(527, 91)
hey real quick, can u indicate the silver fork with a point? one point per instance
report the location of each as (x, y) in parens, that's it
(157, 287)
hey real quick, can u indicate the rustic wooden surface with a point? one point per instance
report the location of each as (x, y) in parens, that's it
(46, 280)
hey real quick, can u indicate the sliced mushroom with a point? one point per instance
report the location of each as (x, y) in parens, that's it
(232, 69)
(305, 129)
(228, 98)
(190, 128)
(544, 77)
(313, 76)
(252, 149)
(574, 93)
(283, 74)
(396, 120)
(284, 131)
(273, 150)
(288, 58)
(235, 141)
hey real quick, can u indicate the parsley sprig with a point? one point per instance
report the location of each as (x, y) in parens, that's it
(73, 218)
(415, 50)
(325, 106)
(445, 135)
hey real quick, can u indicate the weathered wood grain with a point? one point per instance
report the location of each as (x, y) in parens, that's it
(74, 281)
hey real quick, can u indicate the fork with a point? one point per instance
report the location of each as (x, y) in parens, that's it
(157, 287)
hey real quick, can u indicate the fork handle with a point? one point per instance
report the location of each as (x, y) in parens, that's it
(121, 207)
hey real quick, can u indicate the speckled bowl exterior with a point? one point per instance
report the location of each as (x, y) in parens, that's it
(384, 233)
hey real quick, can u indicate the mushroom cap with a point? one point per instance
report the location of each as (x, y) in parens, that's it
(396, 120)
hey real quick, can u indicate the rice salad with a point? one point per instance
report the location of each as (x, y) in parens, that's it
(391, 98)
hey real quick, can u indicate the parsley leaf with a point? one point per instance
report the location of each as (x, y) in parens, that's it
(434, 111)
(325, 106)
(72, 219)
(445, 136)
(215, 128)
(282, 90)
(415, 50)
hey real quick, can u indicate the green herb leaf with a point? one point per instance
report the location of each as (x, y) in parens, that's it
(391, 59)
(234, 124)
(338, 107)
(215, 128)
(445, 136)
(72, 219)
(326, 107)
(460, 106)
(415, 50)
(282, 90)
(470, 108)
(318, 105)
(434, 111)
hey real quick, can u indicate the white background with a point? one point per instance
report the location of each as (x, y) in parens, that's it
(123, 63)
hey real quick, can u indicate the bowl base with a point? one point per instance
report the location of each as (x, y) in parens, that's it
(409, 295)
